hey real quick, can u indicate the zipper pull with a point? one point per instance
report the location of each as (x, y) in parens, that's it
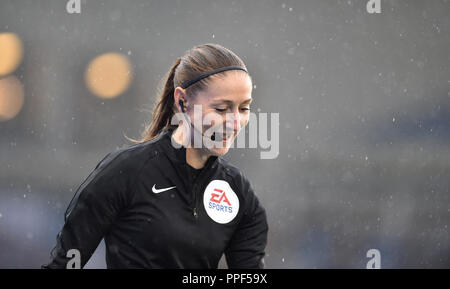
(195, 212)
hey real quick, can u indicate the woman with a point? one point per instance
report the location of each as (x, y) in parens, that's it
(167, 202)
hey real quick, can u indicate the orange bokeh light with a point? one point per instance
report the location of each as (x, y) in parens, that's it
(109, 75)
(11, 53)
(11, 97)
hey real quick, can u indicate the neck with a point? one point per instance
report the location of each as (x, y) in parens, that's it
(195, 157)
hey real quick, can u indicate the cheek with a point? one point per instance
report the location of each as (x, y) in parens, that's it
(244, 119)
(211, 119)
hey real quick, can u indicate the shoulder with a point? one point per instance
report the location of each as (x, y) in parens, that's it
(247, 195)
(238, 177)
(128, 160)
(112, 176)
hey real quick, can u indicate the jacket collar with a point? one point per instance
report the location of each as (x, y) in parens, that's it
(179, 153)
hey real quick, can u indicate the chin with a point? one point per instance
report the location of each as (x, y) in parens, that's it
(219, 151)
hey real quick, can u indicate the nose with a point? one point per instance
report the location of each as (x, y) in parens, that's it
(233, 122)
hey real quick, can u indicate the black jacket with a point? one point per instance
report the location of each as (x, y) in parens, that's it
(144, 201)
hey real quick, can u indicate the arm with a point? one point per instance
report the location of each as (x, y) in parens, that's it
(246, 248)
(94, 207)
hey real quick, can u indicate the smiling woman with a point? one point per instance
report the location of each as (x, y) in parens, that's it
(164, 203)
(216, 81)
(223, 110)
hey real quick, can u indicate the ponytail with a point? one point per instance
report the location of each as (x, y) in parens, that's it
(163, 111)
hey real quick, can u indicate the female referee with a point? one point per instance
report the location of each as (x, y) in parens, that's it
(165, 202)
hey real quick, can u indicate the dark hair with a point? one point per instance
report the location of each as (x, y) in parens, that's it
(198, 60)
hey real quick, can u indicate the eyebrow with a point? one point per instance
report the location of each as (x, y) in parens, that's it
(230, 102)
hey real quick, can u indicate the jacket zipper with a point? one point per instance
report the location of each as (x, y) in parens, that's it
(197, 180)
(194, 191)
(195, 213)
(194, 210)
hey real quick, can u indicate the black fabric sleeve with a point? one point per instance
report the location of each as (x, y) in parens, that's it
(246, 249)
(94, 207)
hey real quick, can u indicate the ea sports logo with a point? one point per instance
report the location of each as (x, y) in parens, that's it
(220, 197)
(220, 201)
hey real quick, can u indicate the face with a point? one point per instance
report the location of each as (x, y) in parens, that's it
(225, 108)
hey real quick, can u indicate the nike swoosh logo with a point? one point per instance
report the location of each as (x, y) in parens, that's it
(157, 191)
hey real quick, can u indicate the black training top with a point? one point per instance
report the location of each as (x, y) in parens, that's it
(142, 200)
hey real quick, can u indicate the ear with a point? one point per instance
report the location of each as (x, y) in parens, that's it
(179, 95)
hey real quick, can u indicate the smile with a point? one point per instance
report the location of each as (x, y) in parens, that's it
(220, 137)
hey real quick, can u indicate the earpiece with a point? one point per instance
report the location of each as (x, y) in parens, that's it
(180, 102)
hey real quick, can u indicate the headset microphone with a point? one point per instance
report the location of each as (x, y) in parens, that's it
(181, 103)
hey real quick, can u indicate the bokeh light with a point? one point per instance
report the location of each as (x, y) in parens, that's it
(109, 75)
(11, 97)
(11, 52)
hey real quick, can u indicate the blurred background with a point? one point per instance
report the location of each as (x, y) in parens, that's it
(363, 100)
